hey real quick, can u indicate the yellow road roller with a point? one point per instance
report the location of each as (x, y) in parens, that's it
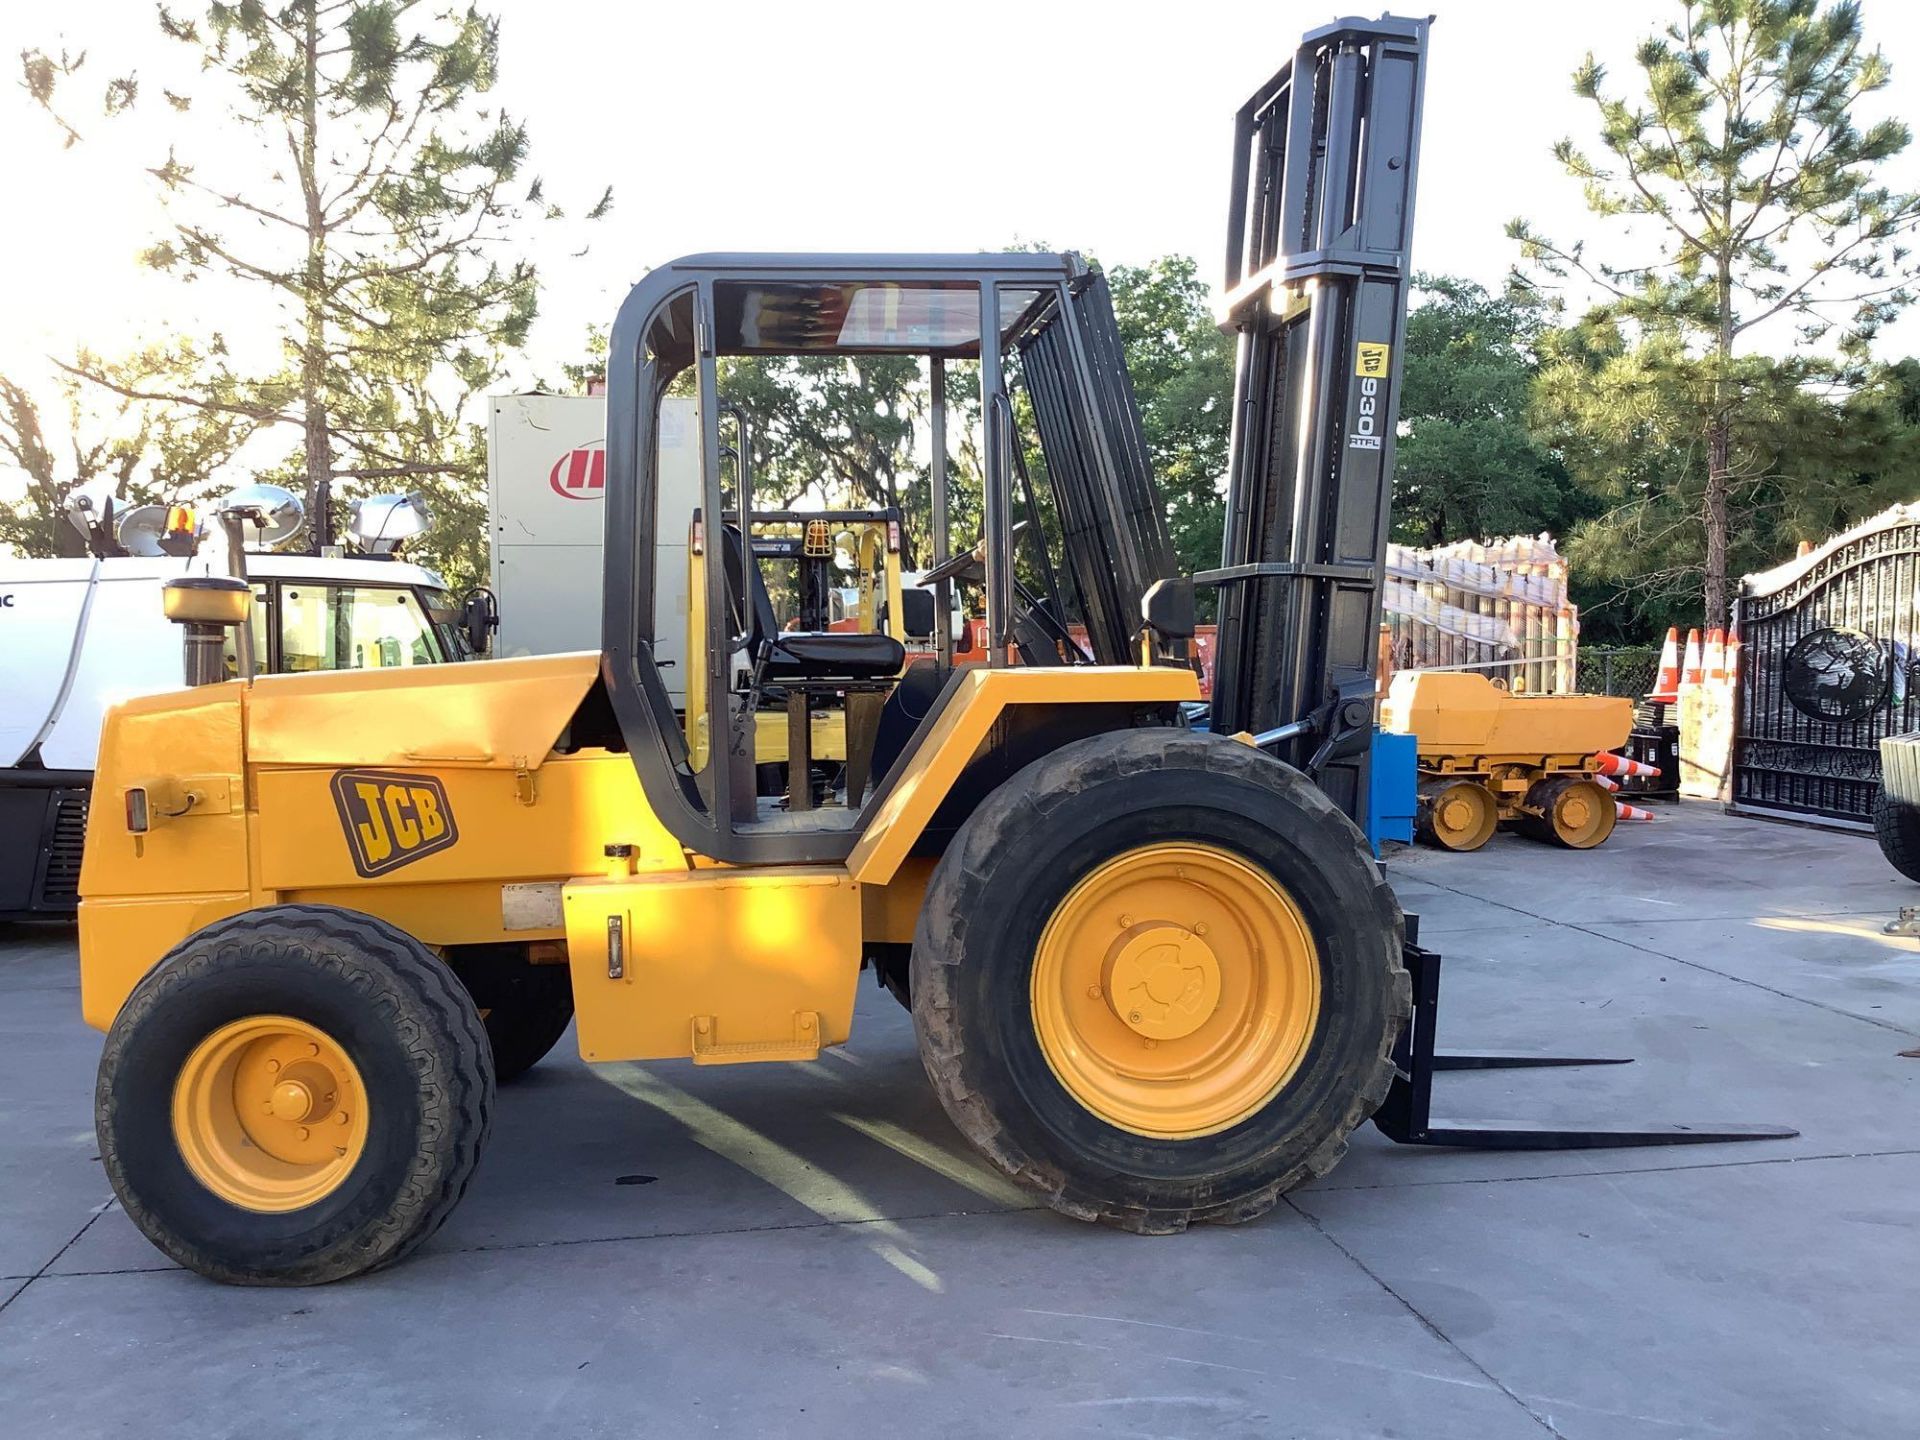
(1487, 758)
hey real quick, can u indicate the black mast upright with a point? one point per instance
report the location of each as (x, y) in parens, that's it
(1325, 157)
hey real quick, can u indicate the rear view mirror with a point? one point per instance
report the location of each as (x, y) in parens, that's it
(479, 618)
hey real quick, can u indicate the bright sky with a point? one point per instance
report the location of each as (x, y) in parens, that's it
(864, 125)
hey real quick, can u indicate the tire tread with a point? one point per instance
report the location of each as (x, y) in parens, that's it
(355, 948)
(1896, 825)
(961, 887)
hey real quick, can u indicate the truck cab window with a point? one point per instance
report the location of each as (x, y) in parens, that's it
(444, 612)
(353, 627)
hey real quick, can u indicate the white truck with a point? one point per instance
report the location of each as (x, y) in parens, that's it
(80, 635)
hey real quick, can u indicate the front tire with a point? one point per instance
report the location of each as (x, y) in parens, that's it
(1568, 811)
(1896, 825)
(293, 1096)
(1157, 979)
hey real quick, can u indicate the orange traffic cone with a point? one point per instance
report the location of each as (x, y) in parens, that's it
(1631, 812)
(1691, 670)
(1606, 782)
(1714, 660)
(1607, 763)
(1733, 653)
(1666, 684)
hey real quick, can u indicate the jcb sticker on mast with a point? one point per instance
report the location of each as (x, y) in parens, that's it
(1370, 364)
(391, 819)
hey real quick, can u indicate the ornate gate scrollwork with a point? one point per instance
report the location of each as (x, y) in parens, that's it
(1828, 646)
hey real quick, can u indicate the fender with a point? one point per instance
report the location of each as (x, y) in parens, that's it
(926, 775)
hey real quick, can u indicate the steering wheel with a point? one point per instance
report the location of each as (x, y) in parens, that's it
(1036, 630)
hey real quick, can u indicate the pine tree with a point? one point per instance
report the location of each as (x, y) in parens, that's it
(375, 220)
(1741, 159)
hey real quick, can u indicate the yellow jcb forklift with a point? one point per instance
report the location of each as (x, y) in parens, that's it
(1154, 973)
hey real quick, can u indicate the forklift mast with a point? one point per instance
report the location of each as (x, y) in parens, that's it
(1325, 156)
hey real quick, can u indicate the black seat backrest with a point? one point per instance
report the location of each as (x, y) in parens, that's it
(916, 613)
(764, 625)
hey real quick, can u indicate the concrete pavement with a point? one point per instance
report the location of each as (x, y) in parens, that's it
(811, 1250)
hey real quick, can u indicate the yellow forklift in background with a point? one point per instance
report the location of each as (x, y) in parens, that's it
(810, 552)
(1154, 974)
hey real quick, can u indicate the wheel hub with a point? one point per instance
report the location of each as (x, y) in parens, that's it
(1162, 981)
(1175, 990)
(303, 1093)
(269, 1113)
(291, 1101)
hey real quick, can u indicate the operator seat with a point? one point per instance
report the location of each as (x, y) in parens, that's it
(860, 668)
(784, 657)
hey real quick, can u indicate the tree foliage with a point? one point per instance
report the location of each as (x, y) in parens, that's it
(1740, 156)
(1804, 457)
(1468, 463)
(135, 452)
(841, 428)
(375, 222)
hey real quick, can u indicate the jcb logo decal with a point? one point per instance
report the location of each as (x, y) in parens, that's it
(391, 820)
(1370, 364)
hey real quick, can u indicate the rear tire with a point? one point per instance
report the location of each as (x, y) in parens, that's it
(526, 1008)
(1568, 811)
(408, 1047)
(1028, 854)
(1896, 825)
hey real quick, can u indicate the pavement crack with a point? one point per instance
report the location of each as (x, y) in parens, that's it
(1742, 980)
(1424, 1322)
(1680, 959)
(72, 1240)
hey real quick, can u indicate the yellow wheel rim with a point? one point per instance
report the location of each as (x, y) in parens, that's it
(1175, 991)
(1583, 815)
(1463, 815)
(269, 1113)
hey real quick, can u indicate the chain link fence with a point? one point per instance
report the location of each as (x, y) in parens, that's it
(1622, 670)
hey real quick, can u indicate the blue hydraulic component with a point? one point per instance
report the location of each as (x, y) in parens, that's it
(1390, 798)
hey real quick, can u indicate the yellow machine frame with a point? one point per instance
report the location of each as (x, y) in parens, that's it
(435, 800)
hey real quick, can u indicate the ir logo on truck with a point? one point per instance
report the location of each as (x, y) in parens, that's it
(581, 473)
(391, 819)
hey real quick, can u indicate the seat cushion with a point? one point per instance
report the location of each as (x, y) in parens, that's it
(836, 654)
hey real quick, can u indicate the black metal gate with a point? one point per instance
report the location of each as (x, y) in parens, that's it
(1826, 670)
